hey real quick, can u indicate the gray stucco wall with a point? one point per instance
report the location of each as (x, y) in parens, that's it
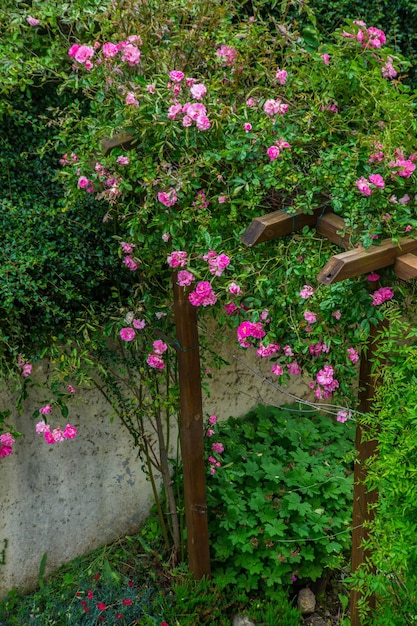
(71, 497)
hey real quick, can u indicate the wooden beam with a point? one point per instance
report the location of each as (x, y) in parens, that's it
(122, 140)
(363, 500)
(333, 227)
(405, 266)
(277, 224)
(360, 261)
(192, 432)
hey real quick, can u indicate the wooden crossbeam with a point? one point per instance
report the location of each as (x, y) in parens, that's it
(405, 266)
(277, 224)
(360, 261)
(122, 140)
(333, 227)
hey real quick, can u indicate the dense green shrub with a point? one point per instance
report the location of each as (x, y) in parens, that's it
(280, 502)
(393, 422)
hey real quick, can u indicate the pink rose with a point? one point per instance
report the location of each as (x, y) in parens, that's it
(127, 334)
(69, 432)
(155, 361)
(198, 91)
(176, 76)
(168, 198)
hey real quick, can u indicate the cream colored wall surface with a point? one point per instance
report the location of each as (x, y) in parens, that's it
(68, 498)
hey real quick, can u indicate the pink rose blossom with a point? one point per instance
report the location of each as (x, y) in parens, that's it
(218, 264)
(7, 439)
(187, 121)
(127, 334)
(277, 370)
(26, 369)
(306, 292)
(209, 432)
(168, 198)
(222, 199)
(343, 416)
(234, 289)
(406, 166)
(310, 317)
(363, 186)
(294, 368)
(130, 263)
(109, 50)
(388, 70)
(69, 432)
(273, 153)
(213, 419)
(377, 180)
(177, 258)
(70, 389)
(194, 110)
(203, 295)
(174, 110)
(203, 122)
(326, 58)
(217, 448)
(150, 88)
(281, 76)
(32, 21)
(83, 182)
(373, 277)
(408, 228)
(353, 355)
(404, 200)
(73, 50)
(127, 247)
(123, 160)
(267, 351)
(337, 314)
(44, 410)
(41, 427)
(185, 278)
(227, 54)
(166, 237)
(49, 438)
(325, 376)
(131, 54)
(83, 53)
(138, 324)
(5, 451)
(376, 157)
(376, 37)
(287, 351)
(230, 308)
(382, 295)
(57, 434)
(130, 99)
(251, 103)
(159, 347)
(176, 76)
(155, 361)
(271, 107)
(198, 91)
(247, 127)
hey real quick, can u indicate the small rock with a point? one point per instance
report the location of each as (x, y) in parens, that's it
(306, 601)
(241, 621)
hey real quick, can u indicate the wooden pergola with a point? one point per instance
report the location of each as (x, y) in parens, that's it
(348, 264)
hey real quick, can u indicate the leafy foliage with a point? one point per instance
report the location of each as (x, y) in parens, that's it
(281, 501)
(392, 471)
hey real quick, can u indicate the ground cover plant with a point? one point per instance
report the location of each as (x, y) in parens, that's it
(227, 114)
(280, 496)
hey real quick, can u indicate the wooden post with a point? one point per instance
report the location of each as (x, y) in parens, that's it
(363, 500)
(192, 433)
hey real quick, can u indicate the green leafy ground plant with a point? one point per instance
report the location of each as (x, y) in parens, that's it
(280, 496)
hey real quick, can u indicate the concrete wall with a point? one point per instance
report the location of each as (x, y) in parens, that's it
(71, 497)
